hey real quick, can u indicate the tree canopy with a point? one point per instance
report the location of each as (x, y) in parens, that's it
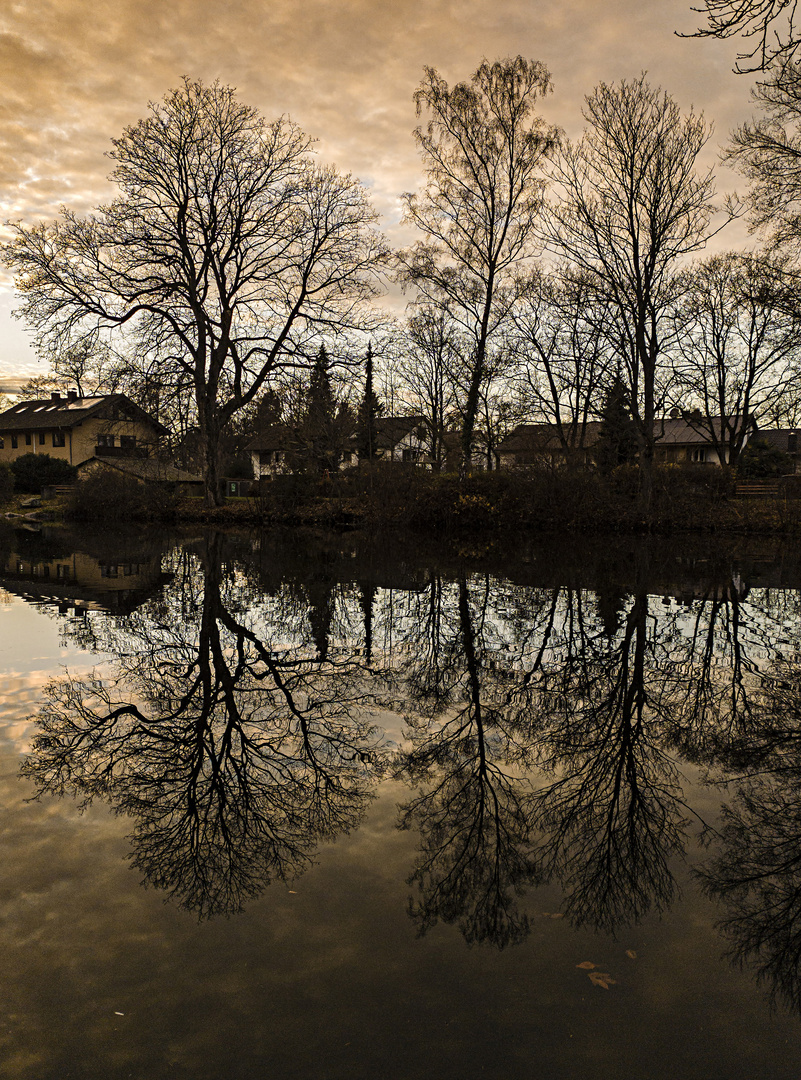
(227, 254)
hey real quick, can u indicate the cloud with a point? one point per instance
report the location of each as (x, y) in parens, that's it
(74, 73)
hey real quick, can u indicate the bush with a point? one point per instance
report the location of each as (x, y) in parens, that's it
(6, 483)
(761, 459)
(32, 472)
(107, 495)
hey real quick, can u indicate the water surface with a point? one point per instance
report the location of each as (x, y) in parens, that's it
(342, 807)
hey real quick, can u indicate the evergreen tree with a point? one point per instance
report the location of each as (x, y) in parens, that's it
(319, 428)
(370, 409)
(617, 439)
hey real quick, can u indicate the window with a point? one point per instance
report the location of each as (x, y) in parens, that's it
(58, 438)
(699, 453)
(105, 440)
(2, 443)
(28, 438)
(108, 570)
(41, 438)
(128, 441)
(14, 442)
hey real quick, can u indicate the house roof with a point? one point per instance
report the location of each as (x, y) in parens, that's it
(533, 438)
(60, 412)
(780, 438)
(148, 469)
(690, 429)
(686, 430)
(391, 429)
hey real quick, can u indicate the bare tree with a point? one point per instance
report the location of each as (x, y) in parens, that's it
(225, 251)
(560, 341)
(770, 25)
(632, 206)
(483, 149)
(767, 151)
(737, 353)
(431, 350)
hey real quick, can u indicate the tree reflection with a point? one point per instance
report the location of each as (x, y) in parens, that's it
(757, 873)
(613, 817)
(590, 708)
(235, 757)
(473, 816)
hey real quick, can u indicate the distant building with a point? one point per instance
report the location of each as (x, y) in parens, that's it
(681, 438)
(539, 444)
(76, 429)
(784, 439)
(687, 437)
(281, 448)
(150, 470)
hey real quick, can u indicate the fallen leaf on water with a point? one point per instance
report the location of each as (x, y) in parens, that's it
(587, 965)
(293, 892)
(558, 915)
(631, 954)
(601, 978)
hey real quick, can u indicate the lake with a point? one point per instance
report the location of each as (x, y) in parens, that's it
(346, 807)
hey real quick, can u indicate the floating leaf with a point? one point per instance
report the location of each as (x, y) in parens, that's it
(587, 965)
(558, 915)
(631, 954)
(601, 978)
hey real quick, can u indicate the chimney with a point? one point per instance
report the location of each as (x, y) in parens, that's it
(72, 395)
(792, 442)
(55, 396)
(675, 413)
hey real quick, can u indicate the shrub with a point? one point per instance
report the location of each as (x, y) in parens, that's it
(32, 472)
(108, 495)
(6, 483)
(761, 459)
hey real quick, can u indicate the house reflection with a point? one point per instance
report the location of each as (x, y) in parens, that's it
(106, 580)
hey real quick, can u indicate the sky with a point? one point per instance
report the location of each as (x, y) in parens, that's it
(75, 73)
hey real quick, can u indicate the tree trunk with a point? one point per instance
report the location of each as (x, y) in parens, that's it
(209, 444)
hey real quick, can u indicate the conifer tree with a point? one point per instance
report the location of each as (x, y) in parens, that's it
(369, 411)
(319, 429)
(617, 439)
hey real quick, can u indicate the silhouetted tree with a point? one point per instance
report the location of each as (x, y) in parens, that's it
(632, 207)
(617, 439)
(483, 150)
(370, 408)
(225, 250)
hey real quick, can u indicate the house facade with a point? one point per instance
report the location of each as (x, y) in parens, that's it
(681, 438)
(529, 445)
(281, 448)
(76, 429)
(687, 438)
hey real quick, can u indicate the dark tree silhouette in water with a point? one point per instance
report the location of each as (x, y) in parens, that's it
(235, 760)
(757, 871)
(473, 815)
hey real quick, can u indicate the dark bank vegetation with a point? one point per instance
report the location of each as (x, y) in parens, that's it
(110, 497)
(494, 505)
